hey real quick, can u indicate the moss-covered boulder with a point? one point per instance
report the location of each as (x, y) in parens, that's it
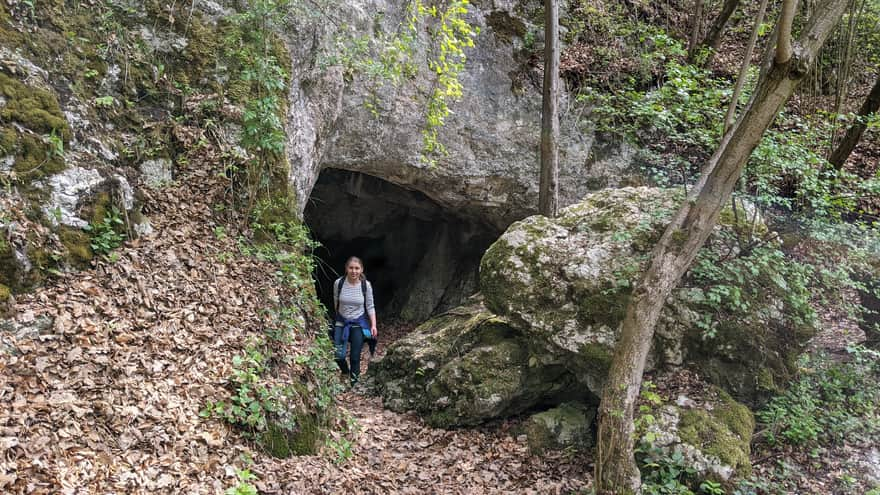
(567, 426)
(566, 282)
(714, 439)
(468, 366)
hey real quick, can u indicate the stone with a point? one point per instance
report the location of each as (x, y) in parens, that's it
(68, 188)
(568, 425)
(566, 282)
(714, 440)
(465, 367)
(157, 172)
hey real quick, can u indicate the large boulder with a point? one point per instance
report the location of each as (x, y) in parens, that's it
(555, 291)
(467, 366)
(566, 282)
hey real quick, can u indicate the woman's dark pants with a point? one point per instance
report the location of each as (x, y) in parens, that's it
(356, 339)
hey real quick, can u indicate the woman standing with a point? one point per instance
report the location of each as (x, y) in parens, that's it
(355, 317)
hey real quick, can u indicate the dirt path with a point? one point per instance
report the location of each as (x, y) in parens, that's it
(397, 453)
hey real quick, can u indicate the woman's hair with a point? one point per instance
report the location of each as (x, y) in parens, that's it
(355, 259)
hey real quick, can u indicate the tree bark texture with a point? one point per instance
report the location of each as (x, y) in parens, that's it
(786, 18)
(744, 69)
(616, 472)
(854, 133)
(696, 27)
(716, 30)
(548, 191)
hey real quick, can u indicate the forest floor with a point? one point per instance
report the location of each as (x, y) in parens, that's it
(103, 373)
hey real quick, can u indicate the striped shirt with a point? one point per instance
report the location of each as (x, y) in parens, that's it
(351, 300)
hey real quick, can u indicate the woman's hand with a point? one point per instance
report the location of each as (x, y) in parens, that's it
(374, 332)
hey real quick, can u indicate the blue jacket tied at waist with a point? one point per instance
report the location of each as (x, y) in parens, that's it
(340, 338)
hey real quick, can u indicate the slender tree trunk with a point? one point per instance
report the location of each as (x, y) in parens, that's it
(716, 31)
(696, 28)
(854, 133)
(743, 71)
(548, 192)
(616, 472)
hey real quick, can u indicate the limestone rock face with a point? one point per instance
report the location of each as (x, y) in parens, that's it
(492, 136)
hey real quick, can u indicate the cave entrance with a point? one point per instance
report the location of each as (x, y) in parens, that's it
(420, 257)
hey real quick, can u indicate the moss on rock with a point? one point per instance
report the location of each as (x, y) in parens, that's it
(724, 432)
(282, 442)
(568, 425)
(466, 367)
(5, 301)
(34, 108)
(8, 266)
(78, 245)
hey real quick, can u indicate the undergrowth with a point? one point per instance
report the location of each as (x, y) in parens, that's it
(830, 403)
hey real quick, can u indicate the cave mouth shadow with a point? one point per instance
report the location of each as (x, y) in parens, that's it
(420, 257)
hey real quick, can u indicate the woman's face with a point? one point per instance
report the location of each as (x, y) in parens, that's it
(354, 270)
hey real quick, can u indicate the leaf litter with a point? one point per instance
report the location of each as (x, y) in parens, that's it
(103, 373)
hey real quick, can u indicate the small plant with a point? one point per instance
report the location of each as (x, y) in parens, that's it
(665, 473)
(711, 488)
(243, 487)
(55, 145)
(105, 236)
(341, 447)
(105, 101)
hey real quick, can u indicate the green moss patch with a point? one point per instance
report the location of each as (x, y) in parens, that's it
(36, 109)
(724, 432)
(77, 244)
(303, 439)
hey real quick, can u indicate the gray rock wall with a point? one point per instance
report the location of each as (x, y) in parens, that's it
(492, 136)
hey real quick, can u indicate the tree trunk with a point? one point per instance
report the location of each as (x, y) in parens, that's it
(548, 191)
(616, 472)
(696, 28)
(854, 133)
(713, 37)
(743, 72)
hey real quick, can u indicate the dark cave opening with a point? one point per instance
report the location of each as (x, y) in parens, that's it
(421, 258)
